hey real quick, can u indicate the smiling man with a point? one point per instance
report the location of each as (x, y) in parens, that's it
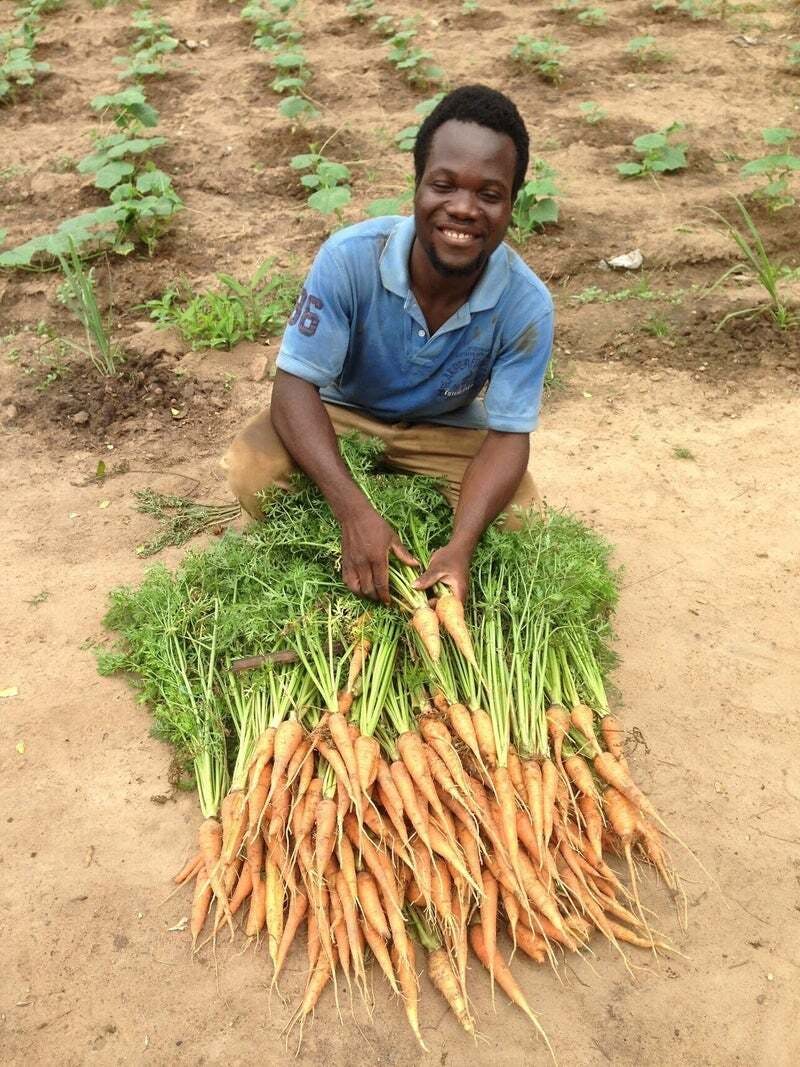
(428, 332)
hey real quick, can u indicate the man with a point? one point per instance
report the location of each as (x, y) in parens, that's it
(400, 325)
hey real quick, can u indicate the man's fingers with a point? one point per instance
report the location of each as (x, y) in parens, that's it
(380, 578)
(365, 581)
(402, 553)
(426, 580)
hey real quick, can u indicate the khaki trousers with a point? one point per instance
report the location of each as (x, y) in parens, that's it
(257, 458)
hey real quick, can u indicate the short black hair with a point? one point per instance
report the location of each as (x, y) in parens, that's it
(485, 107)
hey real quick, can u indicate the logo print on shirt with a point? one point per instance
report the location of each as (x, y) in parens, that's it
(303, 316)
(466, 373)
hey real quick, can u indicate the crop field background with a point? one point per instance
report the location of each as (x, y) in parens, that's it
(670, 424)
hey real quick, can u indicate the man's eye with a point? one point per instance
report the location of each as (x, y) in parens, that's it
(441, 187)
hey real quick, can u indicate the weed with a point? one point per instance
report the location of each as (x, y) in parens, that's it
(793, 58)
(39, 598)
(593, 294)
(359, 10)
(470, 7)
(536, 203)
(679, 452)
(18, 68)
(155, 41)
(593, 16)
(385, 25)
(591, 112)
(645, 50)
(406, 138)
(545, 55)
(757, 266)
(698, 10)
(78, 294)
(657, 325)
(239, 311)
(328, 179)
(659, 156)
(392, 205)
(777, 167)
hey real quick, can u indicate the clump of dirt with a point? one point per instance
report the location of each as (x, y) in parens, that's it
(148, 390)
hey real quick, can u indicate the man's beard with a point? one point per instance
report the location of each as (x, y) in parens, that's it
(447, 271)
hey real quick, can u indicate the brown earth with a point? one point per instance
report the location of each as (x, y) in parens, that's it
(707, 622)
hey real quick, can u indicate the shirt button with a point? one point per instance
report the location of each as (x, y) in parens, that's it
(422, 333)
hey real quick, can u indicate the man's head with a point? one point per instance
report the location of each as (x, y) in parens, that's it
(470, 159)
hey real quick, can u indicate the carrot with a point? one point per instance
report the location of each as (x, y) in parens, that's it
(582, 718)
(514, 764)
(318, 979)
(488, 910)
(257, 915)
(622, 933)
(537, 894)
(391, 800)
(549, 788)
(558, 724)
(441, 891)
(442, 779)
(512, 912)
(504, 790)
(623, 816)
(414, 811)
(257, 801)
(504, 977)
(367, 753)
(378, 865)
(242, 890)
(422, 869)
(287, 737)
(527, 837)
(233, 812)
(262, 755)
(360, 652)
(533, 945)
(653, 848)
(550, 932)
(338, 767)
(274, 909)
(325, 820)
(482, 722)
(441, 845)
(614, 774)
(426, 625)
(450, 613)
(189, 870)
(370, 901)
(614, 735)
(298, 906)
(471, 850)
(381, 954)
(463, 727)
(209, 838)
(407, 980)
(593, 822)
(201, 902)
(579, 774)
(411, 748)
(354, 932)
(347, 862)
(442, 976)
(532, 775)
(280, 806)
(337, 725)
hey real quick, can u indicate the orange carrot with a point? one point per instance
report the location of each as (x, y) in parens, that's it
(242, 890)
(533, 945)
(209, 838)
(381, 954)
(558, 724)
(426, 625)
(347, 862)
(257, 801)
(441, 891)
(367, 753)
(189, 870)
(411, 748)
(337, 724)
(579, 774)
(504, 790)
(262, 755)
(593, 822)
(614, 735)
(325, 820)
(488, 910)
(471, 849)
(412, 807)
(287, 737)
(256, 917)
(549, 788)
(370, 901)
(391, 800)
(514, 764)
(532, 774)
(298, 905)
(512, 911)
(354, 931)
(440, 740)
(422, 869)
(463, 728)
(504, 977)
(482, 722)
(450, 613)
(407, 980)
(318, 979)
(201, 902)
(623, 816)
(582, 718)
(613, 773)
(443, 977)
(275, 891)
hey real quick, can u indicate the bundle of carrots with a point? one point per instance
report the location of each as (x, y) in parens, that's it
(400, 790)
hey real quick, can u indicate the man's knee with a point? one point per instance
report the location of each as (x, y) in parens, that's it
(255, 461)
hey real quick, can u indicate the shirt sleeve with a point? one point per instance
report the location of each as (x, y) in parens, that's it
(317, 335)
(514, 394)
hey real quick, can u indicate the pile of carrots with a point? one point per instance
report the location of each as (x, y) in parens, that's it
(406, 784)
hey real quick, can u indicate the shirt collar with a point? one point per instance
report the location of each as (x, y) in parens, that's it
(394, 269)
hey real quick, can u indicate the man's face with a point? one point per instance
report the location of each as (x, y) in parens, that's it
(462, 205)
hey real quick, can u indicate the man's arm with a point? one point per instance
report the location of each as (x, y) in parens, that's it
(303, 425)
(490, 482)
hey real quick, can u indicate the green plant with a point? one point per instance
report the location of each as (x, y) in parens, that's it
(359, 10)
(659, 154)
(645, 50)
(78, 294)
(328, 179)
(470, 7)
(593, 294)
(293, 71)
(793, 58)
(18, 68)
(593, 16)
(680, 452)
(238, 311)
(155, 41)
(592, 112)
(392, 205)
(545, 55)
(415, 63)
(657, 325)
(777, 167)
(700, 9)
(536, 203)
(757, 266)
(385, 25)
(406, 138)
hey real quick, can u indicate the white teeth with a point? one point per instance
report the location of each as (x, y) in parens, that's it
(455, 235)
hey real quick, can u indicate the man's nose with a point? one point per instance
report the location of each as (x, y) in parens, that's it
(463, 203)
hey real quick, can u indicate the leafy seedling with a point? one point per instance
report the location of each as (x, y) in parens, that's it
(645, 51)
(360, 10)
(593, 16)
(591, 112)
(328, 179)
(406, 138)
(543, 55)
(778, 167)
(78, 294)
(536, 204)
(659, 154)
(679, 452)
(415, 63)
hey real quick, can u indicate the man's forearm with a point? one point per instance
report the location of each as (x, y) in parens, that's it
(489, 484)
(304, 427)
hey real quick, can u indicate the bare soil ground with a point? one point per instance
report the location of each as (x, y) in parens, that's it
(707, 622)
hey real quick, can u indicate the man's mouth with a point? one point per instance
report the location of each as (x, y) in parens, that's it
(457, 237)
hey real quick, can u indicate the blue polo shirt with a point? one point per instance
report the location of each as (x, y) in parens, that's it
(358, 334)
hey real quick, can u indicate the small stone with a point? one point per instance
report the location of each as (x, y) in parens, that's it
(259, 369)
(80, 418)
(10, 412)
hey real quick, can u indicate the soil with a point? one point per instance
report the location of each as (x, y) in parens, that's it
(678, 440)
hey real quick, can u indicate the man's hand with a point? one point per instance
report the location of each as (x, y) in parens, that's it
(451, 566)
(367, 540)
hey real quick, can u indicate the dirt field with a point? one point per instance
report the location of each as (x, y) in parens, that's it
(707, 625)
